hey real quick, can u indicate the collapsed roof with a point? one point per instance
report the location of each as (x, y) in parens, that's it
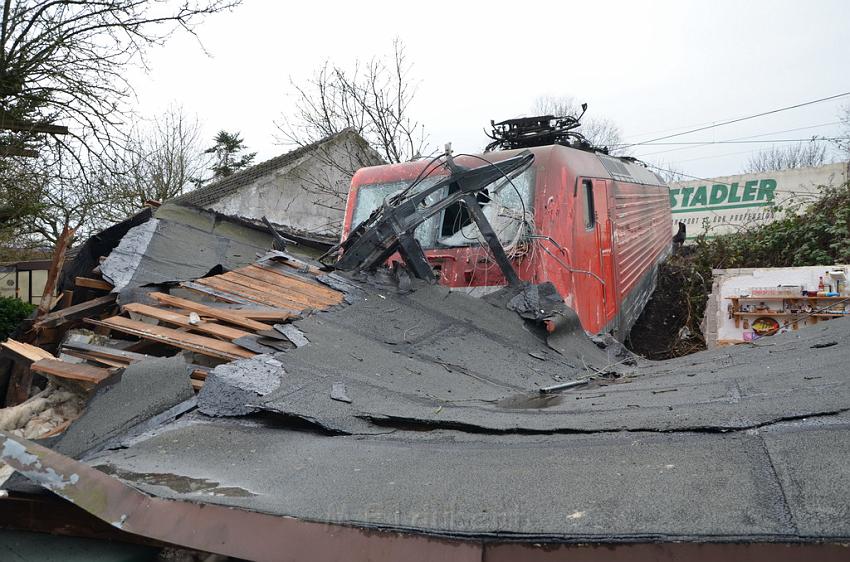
(303, 410)
(421, 411)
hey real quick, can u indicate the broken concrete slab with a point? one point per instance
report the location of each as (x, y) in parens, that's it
(232, 389)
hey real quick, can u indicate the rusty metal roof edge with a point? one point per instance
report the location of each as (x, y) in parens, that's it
(260, 536)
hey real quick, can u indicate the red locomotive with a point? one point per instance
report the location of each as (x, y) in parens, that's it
(594, 225)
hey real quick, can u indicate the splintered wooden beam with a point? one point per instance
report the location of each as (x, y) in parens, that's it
(175, 338)
(223, 315)
(54, 271)
(76, 312)
(71, 371)
(26, 351)
(172, 317)
(90, 283)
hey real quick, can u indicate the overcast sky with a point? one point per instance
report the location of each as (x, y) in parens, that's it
(654, 68)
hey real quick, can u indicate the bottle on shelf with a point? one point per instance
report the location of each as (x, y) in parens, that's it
(821, 286)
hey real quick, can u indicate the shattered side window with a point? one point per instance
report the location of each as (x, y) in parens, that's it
(370, 197)
(507, 206)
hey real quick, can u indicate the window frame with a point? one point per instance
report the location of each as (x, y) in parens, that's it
(589, 206)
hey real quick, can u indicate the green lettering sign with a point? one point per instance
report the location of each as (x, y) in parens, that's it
(733, 194)
(719, 192)
(686, 194)
(750, 191)
(755, 193)
(766, 189)
(700, 197)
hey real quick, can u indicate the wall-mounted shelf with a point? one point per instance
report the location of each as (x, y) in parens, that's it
(795, 317)
(800, 298)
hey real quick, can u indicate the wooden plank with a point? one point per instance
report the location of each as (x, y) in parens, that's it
(21, 125)
(218, 295)
(89, 357)
(90, 283)
(26, 351)
(172, 317)
(197, 385)
(199, 374)
(295, 300)
(245, 308)
(192, 342)
(76, 312)
(311, 289)
(257, 295)
(107, 352)
(71, 371)
(67, 298)
(224, 315)
(314, 296)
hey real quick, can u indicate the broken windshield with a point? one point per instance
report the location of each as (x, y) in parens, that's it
(507, 204)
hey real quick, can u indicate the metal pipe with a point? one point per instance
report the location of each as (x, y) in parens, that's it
(564, 385)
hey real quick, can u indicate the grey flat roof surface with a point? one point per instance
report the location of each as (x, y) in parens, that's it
(445, 432)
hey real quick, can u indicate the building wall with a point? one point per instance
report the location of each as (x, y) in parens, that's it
(731, 203)
(17, 283)
(308, 195)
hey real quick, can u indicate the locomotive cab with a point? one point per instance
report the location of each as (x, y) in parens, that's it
(593, 225)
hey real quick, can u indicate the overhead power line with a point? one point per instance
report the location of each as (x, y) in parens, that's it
(746, 137)
(738, 120)
(810, 139)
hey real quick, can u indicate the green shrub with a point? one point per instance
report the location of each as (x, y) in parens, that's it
(811, 233)
(12, 312)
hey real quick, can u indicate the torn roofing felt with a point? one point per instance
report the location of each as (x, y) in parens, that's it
(439, 359)
(182, 243)
(450, 434)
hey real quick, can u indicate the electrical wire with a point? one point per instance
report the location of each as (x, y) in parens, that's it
(744, 137)
(811, 139)
(738, 120)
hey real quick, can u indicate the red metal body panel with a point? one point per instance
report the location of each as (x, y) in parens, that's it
(605, 267)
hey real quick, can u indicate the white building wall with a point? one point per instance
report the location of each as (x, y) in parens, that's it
(730, 203)
(309, 194)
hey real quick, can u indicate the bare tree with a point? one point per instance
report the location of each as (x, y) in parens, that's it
(20, 199)
(799, 155)
(842, 142)
(65, 60)
(69, 194)
(372, 98)
(599, 131)
(162, 159)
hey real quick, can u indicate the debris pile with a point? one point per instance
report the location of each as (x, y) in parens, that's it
(302, 410)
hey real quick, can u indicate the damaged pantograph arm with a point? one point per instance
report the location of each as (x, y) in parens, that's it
(391, 228)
